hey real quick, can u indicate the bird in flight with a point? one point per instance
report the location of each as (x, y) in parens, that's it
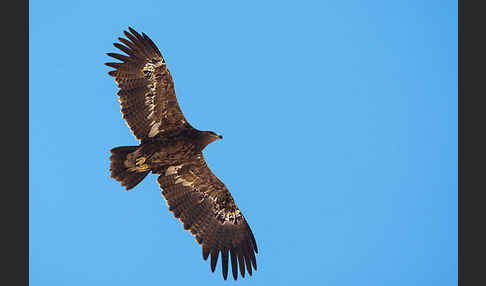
(172, 148)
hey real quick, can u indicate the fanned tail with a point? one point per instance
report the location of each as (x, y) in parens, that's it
(123, 173)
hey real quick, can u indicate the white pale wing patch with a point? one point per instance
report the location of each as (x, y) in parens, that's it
(172, 170)
(154, 130)
(183, 182)
(148, 70)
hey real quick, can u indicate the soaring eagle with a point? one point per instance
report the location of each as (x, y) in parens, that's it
(171, 147)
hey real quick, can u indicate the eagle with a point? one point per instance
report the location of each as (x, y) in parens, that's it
(170, 147)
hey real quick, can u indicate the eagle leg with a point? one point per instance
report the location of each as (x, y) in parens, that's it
(140, 161)
(140, 164)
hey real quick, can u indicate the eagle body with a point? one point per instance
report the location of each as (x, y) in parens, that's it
(164, 151)
(171, 148)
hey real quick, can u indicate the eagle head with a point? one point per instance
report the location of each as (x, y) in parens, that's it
(207, 137)
(214, 135)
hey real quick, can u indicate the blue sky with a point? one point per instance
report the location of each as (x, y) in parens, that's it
(340, 140)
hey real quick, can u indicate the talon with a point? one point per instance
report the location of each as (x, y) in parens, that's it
(140, 161)
(140, 164)
(143, 167)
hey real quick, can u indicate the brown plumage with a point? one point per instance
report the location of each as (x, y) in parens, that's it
(172, 148)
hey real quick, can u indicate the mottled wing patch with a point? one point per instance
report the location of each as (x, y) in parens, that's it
(147, 96)
(206, 208)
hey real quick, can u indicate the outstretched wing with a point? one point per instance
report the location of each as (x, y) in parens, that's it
(206, 208)
(147, 96)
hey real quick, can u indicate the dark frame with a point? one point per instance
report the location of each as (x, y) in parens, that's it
(472, 143)
(15, 133)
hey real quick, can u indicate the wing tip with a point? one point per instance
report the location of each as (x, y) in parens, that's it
(224, 262)
(132, 30)
(113, 65)
(242, 259)
(205, 253)
(214, 259)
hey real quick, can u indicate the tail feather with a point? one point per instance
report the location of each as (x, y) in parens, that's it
(120, 172)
